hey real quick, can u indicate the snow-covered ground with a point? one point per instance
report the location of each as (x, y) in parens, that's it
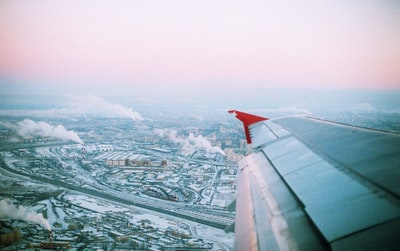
(220, 239)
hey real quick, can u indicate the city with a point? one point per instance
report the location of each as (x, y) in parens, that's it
(118, 185)
(154, 181)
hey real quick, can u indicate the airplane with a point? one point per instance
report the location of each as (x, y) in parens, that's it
(312, 184)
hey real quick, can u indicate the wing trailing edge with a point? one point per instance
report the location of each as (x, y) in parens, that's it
(247, 120)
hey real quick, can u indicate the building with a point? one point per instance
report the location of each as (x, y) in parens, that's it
(105, 147)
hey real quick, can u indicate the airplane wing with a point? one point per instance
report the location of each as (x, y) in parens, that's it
(311, 184)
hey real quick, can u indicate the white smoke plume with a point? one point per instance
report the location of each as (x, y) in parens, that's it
(190, 143)
(27, 127)
(95, 106)
(8, 210)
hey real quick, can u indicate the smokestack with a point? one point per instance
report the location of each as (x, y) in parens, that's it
(51, 239)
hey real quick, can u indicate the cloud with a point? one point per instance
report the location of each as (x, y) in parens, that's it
(81, 106)
(27, 128)
(91, 105)
(8, 210)
(189, 144)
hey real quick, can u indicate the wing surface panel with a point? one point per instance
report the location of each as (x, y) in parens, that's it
(276, 216)
(261, 133)
(342, 181)
(373, 154)
(323, 187)
(382, 237)
(278, 130)
(289, 155)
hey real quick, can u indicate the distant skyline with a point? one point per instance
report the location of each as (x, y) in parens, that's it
(183, 45)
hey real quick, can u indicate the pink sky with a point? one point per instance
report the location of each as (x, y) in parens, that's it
(334, 43)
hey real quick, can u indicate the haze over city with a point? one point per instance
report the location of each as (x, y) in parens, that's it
(297, 57)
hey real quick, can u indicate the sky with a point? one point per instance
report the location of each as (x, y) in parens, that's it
(179, 49)
(353, 43)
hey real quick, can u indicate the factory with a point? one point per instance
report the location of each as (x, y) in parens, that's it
(123, 158)
(53, 245)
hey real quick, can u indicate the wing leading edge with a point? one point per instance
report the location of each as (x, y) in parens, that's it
(311, 184)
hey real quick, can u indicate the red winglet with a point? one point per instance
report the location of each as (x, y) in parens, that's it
(247, 119)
